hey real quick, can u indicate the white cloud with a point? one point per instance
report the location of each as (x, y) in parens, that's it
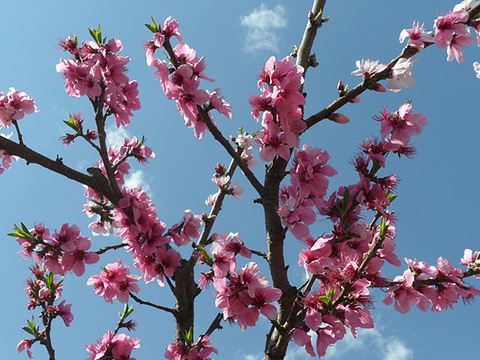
(116, 136)
(253, 357)
(261, 25)
(396, 350)
(137, 179)
(386, 348)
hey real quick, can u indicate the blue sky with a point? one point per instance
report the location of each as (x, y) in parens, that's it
(438, 197)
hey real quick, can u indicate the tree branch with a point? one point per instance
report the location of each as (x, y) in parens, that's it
(56, 166)
(148, 303)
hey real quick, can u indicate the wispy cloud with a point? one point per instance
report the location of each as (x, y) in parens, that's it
(262, 24)
(386, 348)
(396, 350)
(116, 136)
(137, 179)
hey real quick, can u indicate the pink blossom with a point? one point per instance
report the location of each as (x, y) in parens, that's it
(63, 311)
(471, 260)
(449, 26)
(168, 262)
(417, 36)
(26, 345)
(77, 258)
(115, 281)
(402, 75)
(368, 68)
(219, 103)
(97, 69)
(6, 158)
(244, 295)
(301, 338)
(183, 232)
(339, 118)
(170, 28)
(231, 243)
(329, 335)
(197, 351)
(113, 346)
(14, 106)
(273, 142)
(465, 5)
(404, 295)
(401, 125)
(454, 48)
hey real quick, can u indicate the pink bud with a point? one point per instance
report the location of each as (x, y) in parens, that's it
(378, 87)
(339, 118)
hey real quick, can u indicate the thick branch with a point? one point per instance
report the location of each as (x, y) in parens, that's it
(277, 341)
(56, 166)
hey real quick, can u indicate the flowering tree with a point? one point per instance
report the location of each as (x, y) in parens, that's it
(343, 261)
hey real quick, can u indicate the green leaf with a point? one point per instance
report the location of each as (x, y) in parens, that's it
(31, 329)
(324, 299)
(153, 28)
(383, 228)
(142, 141)
(206, 256)
(188, 337)
(97, 35)
(127, 310)
(22, 233)
(28, 330)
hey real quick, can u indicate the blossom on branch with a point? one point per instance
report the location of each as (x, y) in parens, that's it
(417, 36)
(14, 106)
(113, 346)
(115, 281)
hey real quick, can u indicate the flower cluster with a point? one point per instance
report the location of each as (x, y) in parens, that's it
(145, 236)
(247, 142)
(75, 122)
(398, 127)
(417, 36)
(309, 181)
(400, 75)
(243, 295)
(97, 70)
(14, 106)
(43, 290)
(183, 232)
(112, 347)
(451, 33)
(115, 282)
(281, 103)
(182, 81)
(423, 285)
(97, 204)
(6, 157)
(200, 350)
(66, 250)
(222, 180)
(354, 253)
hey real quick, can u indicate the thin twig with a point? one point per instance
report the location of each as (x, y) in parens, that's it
(148, 303)
(214, 325)
(111, 247)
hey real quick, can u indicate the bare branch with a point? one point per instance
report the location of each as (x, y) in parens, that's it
(148, 303)
(57, 166)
